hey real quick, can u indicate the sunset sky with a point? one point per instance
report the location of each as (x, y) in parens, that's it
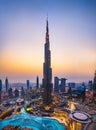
(72, 29)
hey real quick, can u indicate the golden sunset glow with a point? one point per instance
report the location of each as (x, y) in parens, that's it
(71, 33)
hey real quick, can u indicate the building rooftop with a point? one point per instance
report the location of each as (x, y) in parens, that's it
(80, 117)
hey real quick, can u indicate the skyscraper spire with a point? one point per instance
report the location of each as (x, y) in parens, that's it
(47, 31)
(6, 84)
(47, 71)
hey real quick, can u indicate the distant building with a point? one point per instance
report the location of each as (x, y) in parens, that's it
(63, 84)
(10, 94)
(37, 82)
(82, 91)
(28, 84)
(16, 92)
(72, 85)
(90, 85)
(47, 71)
(22, 92)
(59, 84)
(94, 85)
(70, 92)
(0, 86)
(0, 89)
(56, 84)
(6, 84)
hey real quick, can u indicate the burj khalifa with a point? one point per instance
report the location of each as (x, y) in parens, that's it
(47, 70)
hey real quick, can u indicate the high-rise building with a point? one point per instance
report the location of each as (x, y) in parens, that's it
(59, 84)
(6, 84)
(90, 85)
(56, 84)
(0, 86)
(72, 84)
(28, 84)
(10, 94)
(16, 92)
(94, 85)
(22, 92)
(63, 84)
(84, 92)
(0, 89)
(47, 71)
(37, 82)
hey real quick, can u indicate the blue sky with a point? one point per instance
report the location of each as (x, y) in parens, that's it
(72, 26)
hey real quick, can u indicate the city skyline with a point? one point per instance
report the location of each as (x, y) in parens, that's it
(72, 36)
